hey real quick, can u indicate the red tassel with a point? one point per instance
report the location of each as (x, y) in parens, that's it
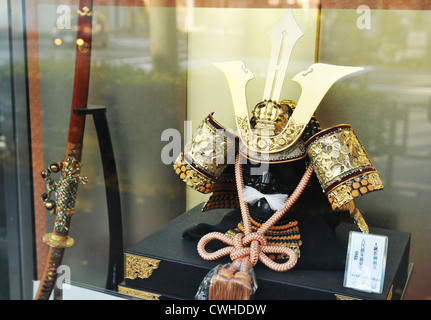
(239, 288)
(219, 284)
(230, 284)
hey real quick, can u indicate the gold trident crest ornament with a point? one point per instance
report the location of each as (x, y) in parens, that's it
(315, 83)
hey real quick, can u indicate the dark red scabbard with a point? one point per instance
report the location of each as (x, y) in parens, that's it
(82, 79)
(59, 239)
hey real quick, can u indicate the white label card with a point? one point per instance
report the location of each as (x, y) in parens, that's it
(366, 262)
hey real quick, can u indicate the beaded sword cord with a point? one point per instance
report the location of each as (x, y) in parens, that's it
(65, 189)
(247, 248)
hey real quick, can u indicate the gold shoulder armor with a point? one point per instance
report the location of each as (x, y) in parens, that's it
(206, 164)
(342, 166)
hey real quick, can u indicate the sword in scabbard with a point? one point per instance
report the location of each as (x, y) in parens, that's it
(66, 187)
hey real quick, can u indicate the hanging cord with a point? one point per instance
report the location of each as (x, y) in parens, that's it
(66, 190)
(250, 247)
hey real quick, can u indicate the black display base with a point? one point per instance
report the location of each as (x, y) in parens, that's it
(164, 265)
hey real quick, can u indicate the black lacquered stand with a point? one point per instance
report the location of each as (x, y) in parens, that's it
(116, 265)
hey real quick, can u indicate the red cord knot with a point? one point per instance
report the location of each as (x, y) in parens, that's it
(248, 246)
(238, 249)
(238, 245)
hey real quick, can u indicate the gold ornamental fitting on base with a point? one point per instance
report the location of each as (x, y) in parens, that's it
(58, 241)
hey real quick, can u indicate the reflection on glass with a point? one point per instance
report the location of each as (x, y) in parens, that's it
(152, 68)
(389, 107)
(5, 148)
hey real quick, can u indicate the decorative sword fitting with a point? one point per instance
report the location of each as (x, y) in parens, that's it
(85, 12)
(83, 46)
(58, 241)
(65, 190)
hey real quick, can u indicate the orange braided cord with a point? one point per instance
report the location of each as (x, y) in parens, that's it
(238, 249)
(252, 246)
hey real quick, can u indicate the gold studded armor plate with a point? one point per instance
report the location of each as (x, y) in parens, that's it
(342, 165)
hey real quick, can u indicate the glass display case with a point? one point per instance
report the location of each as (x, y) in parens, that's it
(152, 74)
